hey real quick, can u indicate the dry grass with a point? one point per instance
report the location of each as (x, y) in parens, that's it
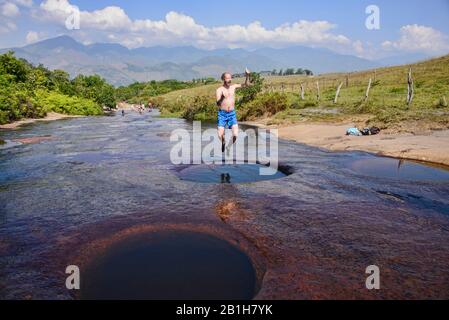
(386, 106)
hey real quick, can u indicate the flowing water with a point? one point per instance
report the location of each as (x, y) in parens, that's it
(76, 198)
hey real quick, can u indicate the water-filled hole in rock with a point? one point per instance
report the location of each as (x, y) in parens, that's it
(172, 265)
(384, 167)
(231, 173)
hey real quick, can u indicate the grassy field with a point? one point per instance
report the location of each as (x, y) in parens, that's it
(385, 107)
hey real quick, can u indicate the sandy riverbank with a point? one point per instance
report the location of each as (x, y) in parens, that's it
(51, 116)
(431, 146)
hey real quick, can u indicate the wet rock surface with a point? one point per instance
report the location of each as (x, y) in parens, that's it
(309, 235)
(31, 140)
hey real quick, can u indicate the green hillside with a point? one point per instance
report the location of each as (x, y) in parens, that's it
(386, 105)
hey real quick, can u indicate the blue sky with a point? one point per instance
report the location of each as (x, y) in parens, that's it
(413, 26)
(346, 13)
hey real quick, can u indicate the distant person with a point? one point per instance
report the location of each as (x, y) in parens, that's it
(123, 113)
(226, 115)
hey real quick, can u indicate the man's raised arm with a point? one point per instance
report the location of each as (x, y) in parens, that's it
(247, 83)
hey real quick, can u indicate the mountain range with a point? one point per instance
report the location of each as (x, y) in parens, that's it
(122, 66)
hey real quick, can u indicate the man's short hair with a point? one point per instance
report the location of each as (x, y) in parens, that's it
(223, 76)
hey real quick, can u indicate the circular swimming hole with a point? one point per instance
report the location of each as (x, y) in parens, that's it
(164, 265)
(232, 173)
(399, 169)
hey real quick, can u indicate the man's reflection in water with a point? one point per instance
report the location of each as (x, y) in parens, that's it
(401, 162)
(225, 178)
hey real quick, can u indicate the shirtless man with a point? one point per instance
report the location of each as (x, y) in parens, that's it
(226, 115)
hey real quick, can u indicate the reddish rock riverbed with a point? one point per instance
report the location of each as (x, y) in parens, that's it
(309, 235)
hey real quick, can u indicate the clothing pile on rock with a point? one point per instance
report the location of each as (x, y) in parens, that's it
(364, 132)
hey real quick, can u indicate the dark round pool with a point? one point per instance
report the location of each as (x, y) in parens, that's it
(177, 265)
(228, 173)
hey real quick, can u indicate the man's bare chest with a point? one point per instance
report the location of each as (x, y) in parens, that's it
(228, 93)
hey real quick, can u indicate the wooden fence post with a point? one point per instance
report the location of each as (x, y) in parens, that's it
(318, 90)
(368, 89)
(302, 91)
(411, 88)
(338, 92)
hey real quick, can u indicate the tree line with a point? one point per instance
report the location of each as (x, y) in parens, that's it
(142, 92)
(291, 72)
(28, 91)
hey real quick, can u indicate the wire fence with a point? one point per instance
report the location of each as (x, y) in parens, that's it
(381, 87)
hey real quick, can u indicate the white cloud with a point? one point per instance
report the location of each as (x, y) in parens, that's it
(416, 38)
(57, 10)
(112, 24)
(358, 47)
(33, 36)
(301, 32)
(109, 18)
(180, 29)
(7, 27)
(24, 3)
(9, 9)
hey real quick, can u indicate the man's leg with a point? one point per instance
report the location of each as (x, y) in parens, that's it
(221, 130)
(221, 136)
(235, 135)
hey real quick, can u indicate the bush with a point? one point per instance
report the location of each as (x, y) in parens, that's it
(60, 103)
(310, 104)
(4, 117)
(171, 107)
(157, 102)
(266, 104)
(30, 92)
(16, 101)
(203, 108)
(248, 94)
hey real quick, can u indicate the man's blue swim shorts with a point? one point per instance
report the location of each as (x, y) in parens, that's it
(227, 119)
